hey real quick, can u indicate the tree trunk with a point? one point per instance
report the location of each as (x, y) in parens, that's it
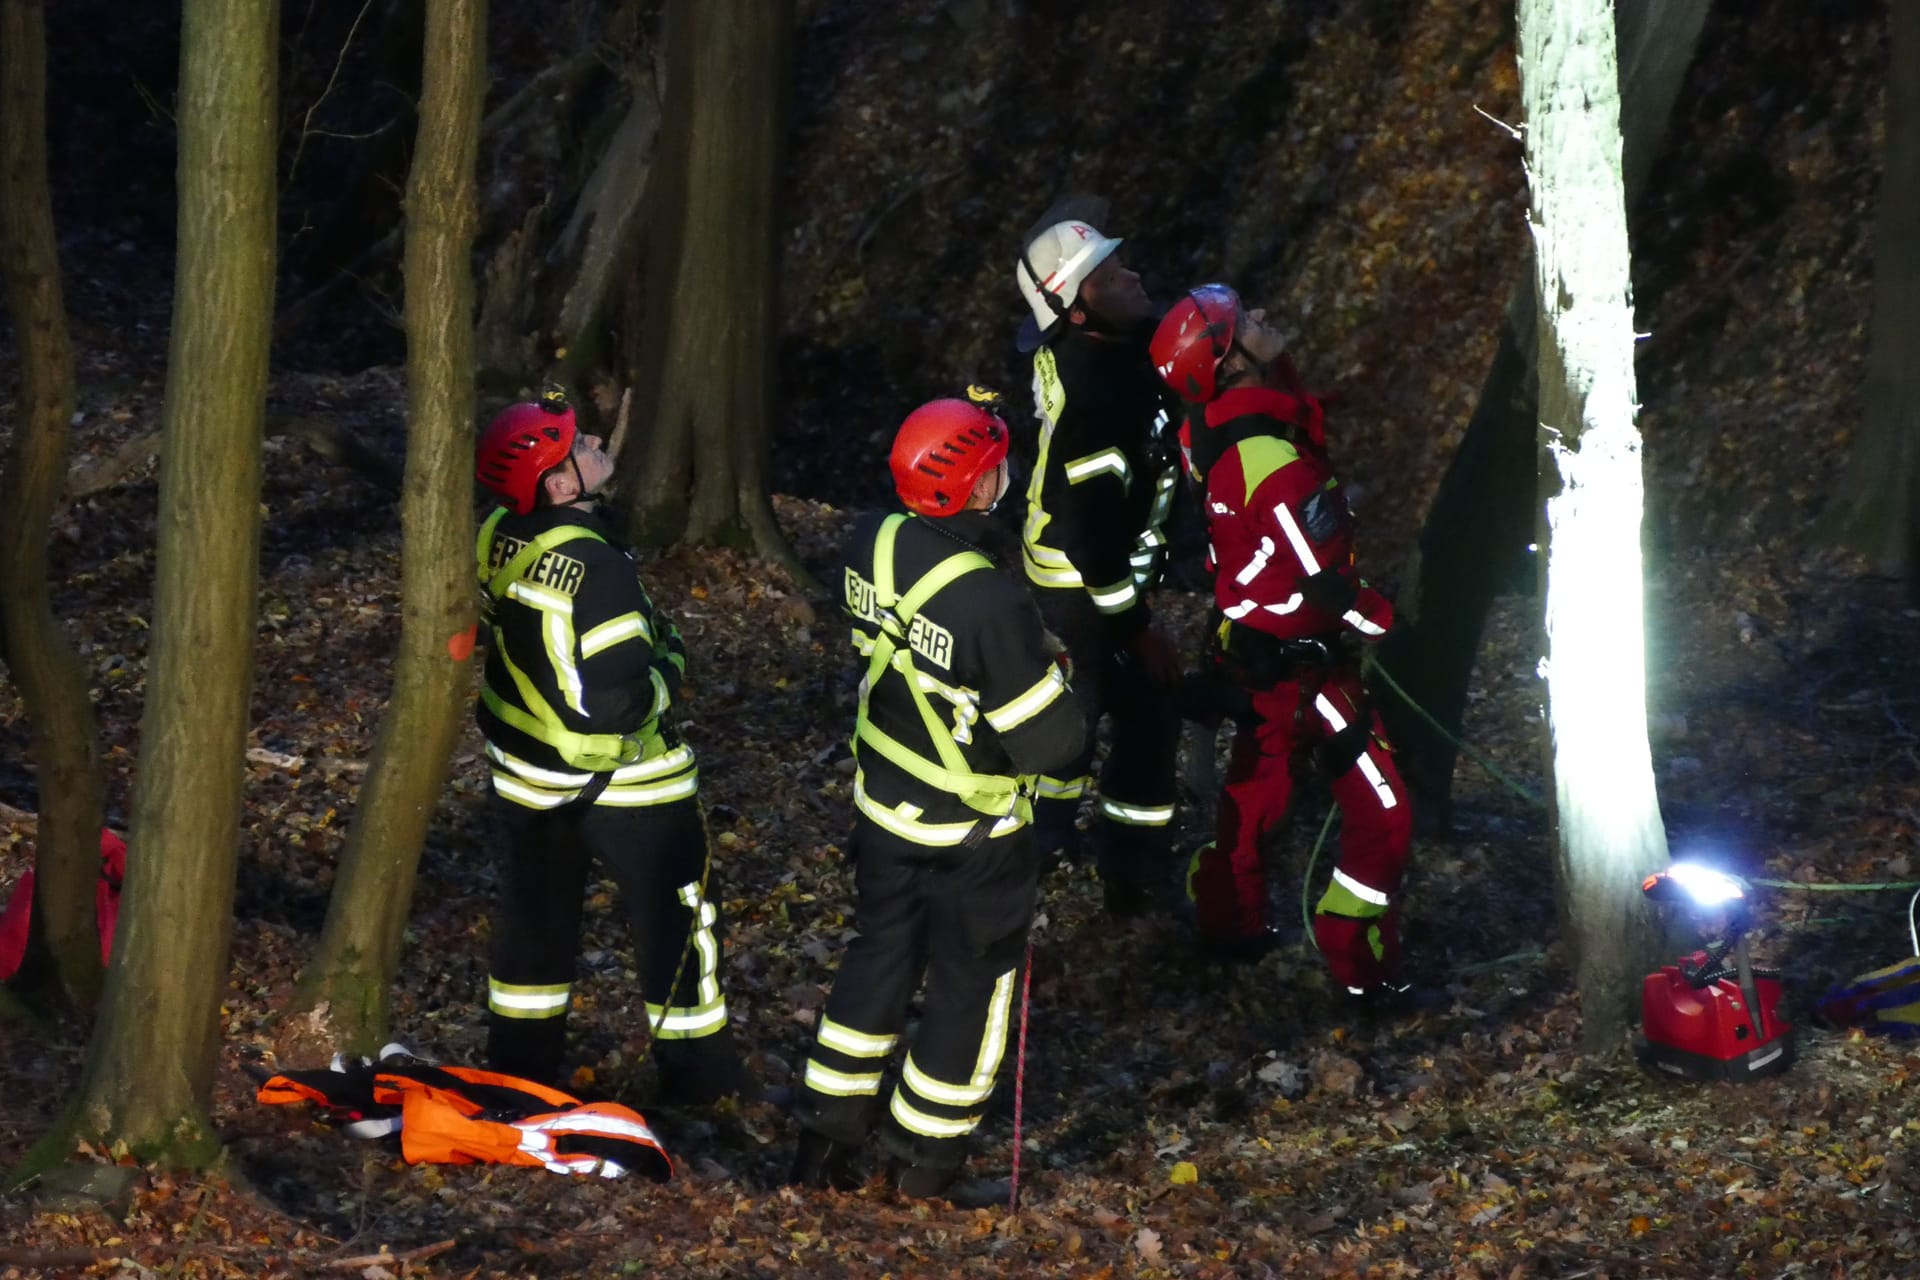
(149, 1072)
(1608, 816)
(359, 952)
(705, 366)
(1473, 545)
(41, 659)
(1874, 511)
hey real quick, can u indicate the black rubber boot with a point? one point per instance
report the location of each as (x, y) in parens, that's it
(699, 1073)
(823, 1164)
(923, 1182)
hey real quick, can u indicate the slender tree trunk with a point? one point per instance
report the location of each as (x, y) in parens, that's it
(1874, 512)
(149, 1073)
(352, 973)
(1473, 545)
(1608, 817)
(705, 368)
(41, 659)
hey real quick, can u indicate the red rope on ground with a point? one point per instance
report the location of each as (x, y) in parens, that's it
(1020, 1074)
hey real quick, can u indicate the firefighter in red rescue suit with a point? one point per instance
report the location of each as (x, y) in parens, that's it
(581, 676)
(1094, 541)
(1280, 541)
(962, 703)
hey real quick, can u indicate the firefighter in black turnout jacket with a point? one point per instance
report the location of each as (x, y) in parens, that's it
(581, 676)
(1094, 540)
(961, 705)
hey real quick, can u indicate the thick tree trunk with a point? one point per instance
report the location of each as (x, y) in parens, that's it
(704, 372)
(1473, 545)
(1608, 816)
(40, 658)
(1874, 512)
(359, 953)
(149, 1072)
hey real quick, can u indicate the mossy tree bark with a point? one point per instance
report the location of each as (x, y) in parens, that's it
(1875, 510)
(1609, 832)
(1473, 547)
(352, 972)
(704, 369)
(148, 1077)
(65, 954)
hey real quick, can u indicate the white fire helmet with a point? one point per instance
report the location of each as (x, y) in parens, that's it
(1054, 266)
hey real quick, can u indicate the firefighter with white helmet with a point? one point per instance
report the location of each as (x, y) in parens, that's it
(577, 709)
(1094, 541)
(962, 704)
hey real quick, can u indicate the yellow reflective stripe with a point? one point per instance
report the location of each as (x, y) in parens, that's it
(673, 761)
(559, 636)
(954, 1095)
(1045, 788)
(1117, 598)
(1134, 815)
(520, 1000)
(937, 834)
(1050, 575)
(612, 632)
(839, 1083)
(913, 1120)
(511, 788)
(1107, 460)
(534, 773)
(1017, 711)
(626, 797)
(855, 1044)
(687, 1024)
(705, 915)
(993, 1041)
(544, 599)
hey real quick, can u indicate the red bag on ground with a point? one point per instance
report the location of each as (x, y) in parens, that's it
(17, 918)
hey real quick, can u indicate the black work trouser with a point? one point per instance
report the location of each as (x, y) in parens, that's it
(960, 917)
(1133, 814)
(657, 856)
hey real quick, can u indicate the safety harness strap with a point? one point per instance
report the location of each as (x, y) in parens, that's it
(998, 795)
(535, 717)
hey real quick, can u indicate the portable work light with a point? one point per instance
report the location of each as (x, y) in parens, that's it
(1708, 1016)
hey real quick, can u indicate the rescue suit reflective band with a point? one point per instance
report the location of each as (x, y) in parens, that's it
(594, 752)
(460, 1115)
(995, 795)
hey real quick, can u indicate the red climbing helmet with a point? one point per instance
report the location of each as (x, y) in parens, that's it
(1193, 338)
(522, 444)
(940, 453)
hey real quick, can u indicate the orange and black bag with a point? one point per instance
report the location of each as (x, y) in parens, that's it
(462, 1115)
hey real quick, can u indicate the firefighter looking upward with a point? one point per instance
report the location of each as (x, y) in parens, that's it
(581, 676)
(1281, 539)
(961, 705)
(1093, 542)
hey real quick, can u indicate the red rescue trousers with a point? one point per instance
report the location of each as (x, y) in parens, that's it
(1357, 921)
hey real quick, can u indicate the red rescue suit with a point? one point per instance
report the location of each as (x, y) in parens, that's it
(1280, 541)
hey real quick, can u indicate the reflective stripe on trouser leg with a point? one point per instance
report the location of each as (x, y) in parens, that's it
(536, 926)
(866, 1010)
(708, 1012)
(928, 1106)
(1357, 923)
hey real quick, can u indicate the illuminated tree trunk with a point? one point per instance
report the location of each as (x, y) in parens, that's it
(148, 1078)
(704, 373)
(359, 952)
(65, 952)
(1607, 815)
(1875, 510)
(1473, 544)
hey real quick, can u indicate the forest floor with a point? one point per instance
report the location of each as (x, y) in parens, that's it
(1181, 1118)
